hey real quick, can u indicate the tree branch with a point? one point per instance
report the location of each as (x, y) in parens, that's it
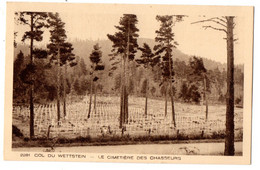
(35, 21)
(218, 29)
(234, 25)
(22, 20)
(211, 20)
(27, 24)
(218, 23)
(221, 20)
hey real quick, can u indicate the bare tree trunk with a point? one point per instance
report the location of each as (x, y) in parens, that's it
(121, 94)
(124, 91)
(58, 86)
(171, 86)
(127, 76)
(95, 97)
(121, 107)
(205, 96)
(229, 140)
(173, 111)
(31, 87)
(145, 108)
(146, 97)
(90, 97)
(64, 90)
(165, 95)
(31, 113)
(126, 106)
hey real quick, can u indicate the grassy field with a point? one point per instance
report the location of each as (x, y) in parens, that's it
(190, 121)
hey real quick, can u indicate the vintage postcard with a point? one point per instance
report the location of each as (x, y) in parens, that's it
(128, 83)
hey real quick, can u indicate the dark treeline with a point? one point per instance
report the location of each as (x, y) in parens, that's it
(187, 88)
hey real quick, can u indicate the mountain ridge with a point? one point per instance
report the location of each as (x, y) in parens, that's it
(83, 48)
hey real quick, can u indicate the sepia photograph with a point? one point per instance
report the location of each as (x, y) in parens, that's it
(128, 83)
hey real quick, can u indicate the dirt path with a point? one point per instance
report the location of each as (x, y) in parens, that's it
(176, 149)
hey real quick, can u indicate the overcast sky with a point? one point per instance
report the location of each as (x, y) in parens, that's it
(192, 39)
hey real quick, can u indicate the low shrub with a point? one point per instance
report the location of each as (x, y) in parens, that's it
(82, 139)
(218, 135)
(16, 131)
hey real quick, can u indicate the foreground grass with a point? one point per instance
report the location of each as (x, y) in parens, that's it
(116, 140)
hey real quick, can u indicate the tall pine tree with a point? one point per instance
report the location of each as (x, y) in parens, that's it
(96, 65)
(165, 40)
(18, 86)
(199, 73)
(125, 45)
(226, 24)
(36, 22)
(61, 52)
(148, 59)
(67, 59)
